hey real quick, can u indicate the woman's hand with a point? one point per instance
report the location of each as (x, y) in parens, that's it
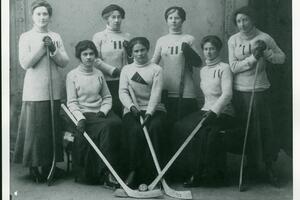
(101, 114)
(209, 117)
(48, 43)
(116, 72)
(135, 112)
(260, 47)
(147, 119)
(81, 125)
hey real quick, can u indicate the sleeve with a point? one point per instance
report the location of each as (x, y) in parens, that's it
(238, 66)
(124, 94)
(99, 63)
(60, 55)
(157, 53)
(274, 54)
(72, 100)
(156, 91)
(29, 57)
(106, 103)
(226, 85)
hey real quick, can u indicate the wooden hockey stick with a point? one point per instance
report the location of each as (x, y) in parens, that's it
(53, 165)
(241, 187)
(129, 191)
(169, 191)
(171, 161)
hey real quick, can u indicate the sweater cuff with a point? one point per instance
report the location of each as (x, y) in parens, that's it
(112, 70)
(268, 53)
(215, 110)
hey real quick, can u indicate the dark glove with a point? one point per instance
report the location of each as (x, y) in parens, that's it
(261, 45)
(101, 114)
(136, 113)
(190, 55)
(49, 44)
(81, 125)
(209, 117)
(257, 53)
(147, 119)
(116, 72)
(128, 51)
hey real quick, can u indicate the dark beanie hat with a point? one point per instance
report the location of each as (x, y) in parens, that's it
(246, 10)
(180, 10)
(111, 8)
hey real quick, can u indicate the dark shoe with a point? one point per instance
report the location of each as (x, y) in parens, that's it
(193, 181)
(35, 175)
(111, 182)
(58, 173)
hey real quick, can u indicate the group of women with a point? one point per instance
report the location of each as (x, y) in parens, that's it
(116, 83)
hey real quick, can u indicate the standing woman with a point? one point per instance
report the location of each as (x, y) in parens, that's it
(245, 49)
(145, 79)
(112, 55)
(89, 100)
(34, 141)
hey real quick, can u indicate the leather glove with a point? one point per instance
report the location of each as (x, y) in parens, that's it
(128, 51)
(147, 119)
(210, 117)
(190, 55)
(116, 72)
(257, 53)
(81, 125)
(136, 113)
(49, 44)
(101, 114)
(261, 45)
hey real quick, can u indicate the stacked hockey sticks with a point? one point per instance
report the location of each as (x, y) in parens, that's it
(129, 191)
(241, 186)
(169, 191)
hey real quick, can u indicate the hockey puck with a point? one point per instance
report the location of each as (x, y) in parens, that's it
(143, 187)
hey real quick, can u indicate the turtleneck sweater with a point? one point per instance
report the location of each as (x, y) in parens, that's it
(33, 58)
(216, 84)
(243, 63)
(112, 54)
(87, 91)
(168, 50)
(146, 82)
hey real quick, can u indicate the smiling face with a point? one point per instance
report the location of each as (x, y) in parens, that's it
(174, 21)
(87, 58)
(244, 23)
(210, 51)
(140, 53)
(41, 17)
(115, 20)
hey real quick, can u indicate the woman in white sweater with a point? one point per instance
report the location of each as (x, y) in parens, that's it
(34, 141)
(145, 79)
(245, 49)
(112, 55)
(89, 100)
(206, 156)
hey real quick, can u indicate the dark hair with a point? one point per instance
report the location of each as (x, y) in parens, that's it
(172, 9)
(112, 7)
(41, 3)
(137, 40)
(214, 40)
(84, 45)
(246, 10)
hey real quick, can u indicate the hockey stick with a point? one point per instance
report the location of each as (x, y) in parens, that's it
(169, 191)
(171, 161)
(52, 169)
(181, 88)
(241, 188)
(129, 191)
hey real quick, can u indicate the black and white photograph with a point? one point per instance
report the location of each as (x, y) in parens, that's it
(149, 99)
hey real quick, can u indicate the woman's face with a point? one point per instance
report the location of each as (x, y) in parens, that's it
(40, 17)
(244, 23)
(140, 54)
(87, 57)
(115, 20)
(174, 21)
(210, 51)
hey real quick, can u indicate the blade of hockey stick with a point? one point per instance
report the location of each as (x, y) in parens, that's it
(169, 191)
(171, 161)
(129, 191)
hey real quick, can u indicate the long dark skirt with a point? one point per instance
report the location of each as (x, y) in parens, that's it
(117, 106)
(105, 133)
(261, 145)
(206, 152)
(34, 141)
(139, 157)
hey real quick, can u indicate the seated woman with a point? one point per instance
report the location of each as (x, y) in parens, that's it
(89, 100)
(206, 159)
(145, 79)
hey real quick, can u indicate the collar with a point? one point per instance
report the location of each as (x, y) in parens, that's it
(84, 69)
(139, 65)
(251, 34)
(213, 62)
(179, 32)
(111, 30)
(35, 28)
